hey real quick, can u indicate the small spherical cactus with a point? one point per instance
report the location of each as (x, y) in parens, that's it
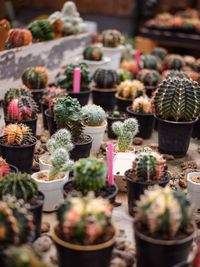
(41, 30)
(151, 62)
(159, 52)
(93, 53)
(104, 78)
(189, 61)
(130, 89)
(142, 104)
(35, 78)
(149, 77)
(4, 168)
(18, 38)
(124, 75)
(93, 115)
(173, 62)
(112, 38)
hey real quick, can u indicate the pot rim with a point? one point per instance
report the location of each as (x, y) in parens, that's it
(80, 93)
(119, 48)
(23, 121)
(32, 207)
(111, 117)
(190, 180)
(129, 110)
(97, 127)
(46, 112)
(19, 147)
(176, 122)
(122, 98)
(47, 182)
(14, 167)
(72, 246)
(103, 90)
(85, 143)
(43, 157)
(95, 62)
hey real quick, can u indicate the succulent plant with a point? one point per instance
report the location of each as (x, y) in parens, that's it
(4, 168)
(93, 115)
(19, 185)
(124, 75)
(130, 89)
(116, 114)
(151, 62)
(112, 38)
(17, 134)
(163, 213)
(189, 61)
(177, 98)
(173, 61)
(85, 220)
(159, 52)
(142, 104)
(51, 93)
(148, 77)
(90, 174)
(42, 30)
(18, 37)
(175, 73)
(35, 78)
(105, 79)
(58, 27)
(125, 132)
(93, 53)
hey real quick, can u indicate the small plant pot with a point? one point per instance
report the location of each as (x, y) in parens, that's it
(85, 256)
(32, 124)
(146, 122)
(150, 89)
(196, 130)
(94, 64)
(82, 149)
(44, 107)
(136, 189)
(157, 253)
(83, 96)
(52, 190)
(193, 189)
(174, 137)
(111, 120)
(37, 96)
(104, 98)
(97, 134)
(123, 103)
(115, 54)
(44, 166)
(52, 127)
(19, 156)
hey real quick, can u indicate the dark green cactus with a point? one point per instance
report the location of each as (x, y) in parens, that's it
(104, 78)
(93, 53)
(173, 62)
(149, 77)
(124, 75)
(42, 30)
(112, 38)
(35, 78)
(159, 52)
(151, 62)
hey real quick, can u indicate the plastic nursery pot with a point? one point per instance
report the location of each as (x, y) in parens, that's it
(196, 130)
(150, 89)
(82, 97)
(104, 98)
(165, 253)
(136, 188)
(19, 156)
(95, 64)
(81, 149)
(174, 137)
(43, 162)
(123, 103)
(111, 120)
(115, 54)
(193, 189)
(79, 255)
(32, 124)
(37, 96)
(52, 127)
(146, 122)
(44, 107)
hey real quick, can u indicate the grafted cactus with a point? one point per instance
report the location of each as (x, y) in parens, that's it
(173, 62)
(151, 62)
(112, 38)
(51, 93)
(93, 115)
(93, 53)
(17, 134)
(159, 52)
(148, 77)
(18, 37)
(35, 78)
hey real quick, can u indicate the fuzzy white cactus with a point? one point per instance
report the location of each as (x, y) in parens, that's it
(93, 115)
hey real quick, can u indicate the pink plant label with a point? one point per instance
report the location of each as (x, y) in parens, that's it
(77, 80)
(137, 58)
(110, 164)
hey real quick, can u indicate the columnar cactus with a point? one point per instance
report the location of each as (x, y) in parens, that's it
(151, 62)
(159, 52)
(4, 168)
(42, 30)
(173, 61)
(130, 89)
(105, 79)
(142, 104)
(163, 213)
(90, 174)
(93, 53)
(93, 115)
(177, 98)
(17, 134)
(112, 38)
(125, 132)
(20, 185)
(35, 78)
(148, 77)
(18, 38)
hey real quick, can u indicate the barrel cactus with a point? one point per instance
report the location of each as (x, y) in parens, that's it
(42, 30)
(93, 115)
(4, 168)
(105, 79)
(130, 89)
(93, 53)
(173, 61)
(18, 38)
(142, 104)
(189, 61)
(149, 77)
(17, 134)
(112, 38)
(151, 62)
(35, 78)
(159, 52)
(124, 75)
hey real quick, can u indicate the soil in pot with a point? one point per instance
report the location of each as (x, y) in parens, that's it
(37, 96)
(52, 127)
(196, 130)
(81, 148)
(123, 103)
(30, 123)
(83, 96)
(104, 98)
(111, 119)
(44, 107)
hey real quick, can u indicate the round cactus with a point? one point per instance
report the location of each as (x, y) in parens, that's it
(17, 134)
(130, 89)
(42, 30)
(93, 53)
(105, 78)
(4, 168)
(35, 78)
(112, 38)
(173, 61)
(142, 104)
(124, 75)
(189, 61)
(151, 62)
(51, 93)
(159, 52)
(93, 115)
(18, 38)
(149, 77)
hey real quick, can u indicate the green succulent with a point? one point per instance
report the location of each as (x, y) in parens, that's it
(148, 77)
(93, 115)
(173, 62)
(42, 30)
(151, 62)
(159, 52)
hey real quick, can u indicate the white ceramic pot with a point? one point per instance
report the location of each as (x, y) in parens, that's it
(193, 190)
(115, 55)
(42, 163)
(97, 134)
(52, 190)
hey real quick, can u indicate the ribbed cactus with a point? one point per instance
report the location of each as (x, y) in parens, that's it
(189, 61)
(173, 62)
(159, 52)
(51, 93)
(130, 89)
(142, 104)
(93, 53)
(35, 78)
(112, 38)
(90, 174)
(164, 213)
(177, 99)
(124, 75)
(105, 79)
(42, 30)
(17, 134)
(148, 77)
(151, 62)
(4, 168)
(125, 132)
(93, 115)
(20, 185)
(18, 37)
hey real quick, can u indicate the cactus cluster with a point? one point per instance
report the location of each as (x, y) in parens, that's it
(93, 115)
(173, 62)
(177, 98)
(159, 52)
(35, 78)
(163, 213)
(51, 93)
(125, 132)
(148, 77)
(90, 174)
(18, 37)
(151, 62)
(42, 30)
(4, 168)
(94, 53)
(112, 38)
(130, 89)
(142, 104)
(17, 134)
(105, 79)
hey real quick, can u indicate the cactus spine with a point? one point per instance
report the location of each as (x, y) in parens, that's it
(93, 115)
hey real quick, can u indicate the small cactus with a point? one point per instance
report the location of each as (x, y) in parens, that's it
(130, 89)
(51, 93)
(93, 53)
(35, 78)
(159, 52)
(4, 168)
(93, 115)
(112, 38)
(124, 75)
(173, 62)
(148, 77)
(105, 79)
(142, 104)
(151, 62)
(18, 38)
(125, 132)
(42, 30)
(17, 134)
(90, 174)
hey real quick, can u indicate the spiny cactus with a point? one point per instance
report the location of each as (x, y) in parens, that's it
(163, 213)
(189, 61)
(4, 168)
(18, 37)
(151, 62)
(105, 79)
(159, 52)
(112, 38)
(175, 73)
(142, 104)
(173, 61)
(35, 78)
(130, 89)
(148, 77)
(17, 134)
(93, 115)
(125, 132)
(93, 53)
(90, 174)
(51, 93)
(124, 75)
(20, 185)
(42, 30)
(143, 149)
(177, 99)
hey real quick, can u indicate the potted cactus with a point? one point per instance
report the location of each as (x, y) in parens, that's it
(141, 109)
(163, 227)
(103, 92)
(17, 146)
(35, 79)
(42, 30)
(159, 52)
(22, 186)
(177, 107)
(18, 37)
(84, 235)
(6, 168)
(151, 62)
(127, 91)
(95, 125)
(111, 118)
(148, 168)
(124, 75)
(193, 188)
(90, 175)
(173, 62)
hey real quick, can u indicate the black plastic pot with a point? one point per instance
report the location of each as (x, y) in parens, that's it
(196, 130)
(83, 96)
(74, 255)
(174, 137)
(136, 188)
(157, 253)
(19, 156)
(30, 123)
(44, 107)
(104, 98)
(13, 169)
(81, 150)
(37, 96)
(149, 90)
(146, 122)
(52, 127)
(110, 121)
(123, 103)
